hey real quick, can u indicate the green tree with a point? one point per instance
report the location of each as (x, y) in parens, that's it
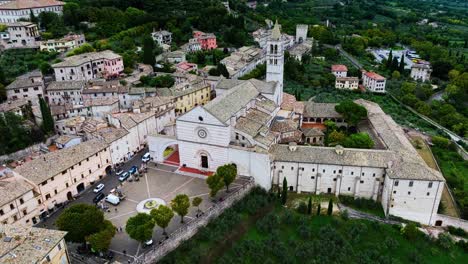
(389, 60)
(440, 142)
(401, 66)
(284, 194)
(336, 138)
(140, 227)
(180, 204)
(101, 240)
(3, 93)
(358, 140)
(223, 70)
(352, 112)
(196, 202)
(162, 216)
(80, 221)
(228, 173)
(85, 48)
(396, 75)
(32, 17)
(47, 120)
(309, 206)
(319, 208)
(148, 51)
(411, 232)
(330, 207)
(215, 183)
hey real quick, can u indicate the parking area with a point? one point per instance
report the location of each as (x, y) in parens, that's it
(159, 182)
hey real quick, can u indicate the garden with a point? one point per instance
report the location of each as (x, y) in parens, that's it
(258, 229)
(455, 171)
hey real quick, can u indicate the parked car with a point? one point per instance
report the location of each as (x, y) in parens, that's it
(146, 157)
(124, 176)
(99, 188)
(119, 172)
(98, 197)
(133, 170)
(148, 243)
(113, 199)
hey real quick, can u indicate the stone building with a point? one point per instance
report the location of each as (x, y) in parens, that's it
(12, 11)
(29, 86)
(19, 35)
(88, 66)
(26, 244)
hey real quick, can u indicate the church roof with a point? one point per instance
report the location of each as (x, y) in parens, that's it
(232, 101)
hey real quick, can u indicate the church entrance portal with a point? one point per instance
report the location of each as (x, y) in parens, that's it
(204, 161)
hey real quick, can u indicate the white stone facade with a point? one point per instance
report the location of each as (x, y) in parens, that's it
(373, 82)
(348, 83)
(12, 11)
(19, 35)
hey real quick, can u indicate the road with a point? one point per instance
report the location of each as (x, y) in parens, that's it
(353, 61)
(87, 196)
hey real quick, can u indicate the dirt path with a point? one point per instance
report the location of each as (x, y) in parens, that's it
(236, 234)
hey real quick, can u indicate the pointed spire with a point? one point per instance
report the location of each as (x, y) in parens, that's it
(275, 32)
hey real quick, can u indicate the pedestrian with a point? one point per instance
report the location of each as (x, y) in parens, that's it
(116, 210)
(125, 252)
(128, 261)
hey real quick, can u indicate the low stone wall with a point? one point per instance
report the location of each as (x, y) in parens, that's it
(451, 221)
(188, 230)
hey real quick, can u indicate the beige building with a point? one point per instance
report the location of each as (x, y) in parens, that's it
(187, 95)
(348, 83)
(64, 44)
(62, 174)
(21, 244)
(19, 201)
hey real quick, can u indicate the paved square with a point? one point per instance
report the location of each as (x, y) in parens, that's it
(159, 182)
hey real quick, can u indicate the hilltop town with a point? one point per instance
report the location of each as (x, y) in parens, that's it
(240, 122)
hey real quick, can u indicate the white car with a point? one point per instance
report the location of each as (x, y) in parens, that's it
(146, 157)
(119, 172)
(99, 188)
(148, 243)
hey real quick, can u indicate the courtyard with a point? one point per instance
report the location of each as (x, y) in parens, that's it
(161, 182)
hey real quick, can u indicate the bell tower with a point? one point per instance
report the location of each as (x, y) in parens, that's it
(275, 61)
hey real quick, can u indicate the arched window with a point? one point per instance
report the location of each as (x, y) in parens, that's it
(276, 49)
(271, 48)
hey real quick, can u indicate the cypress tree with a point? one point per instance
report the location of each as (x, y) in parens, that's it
(47, 120)
(284, 195)
(330, 207)
(389, 60)
(319, 208)
(401, 67)
(394, 66)
(148, 51)
(309, 206)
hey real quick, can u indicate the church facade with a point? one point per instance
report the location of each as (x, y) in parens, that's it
(235, 127)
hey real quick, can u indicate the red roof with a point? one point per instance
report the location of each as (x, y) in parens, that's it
(339, 68)
(186, 65)
(375, 76)
(28, 4)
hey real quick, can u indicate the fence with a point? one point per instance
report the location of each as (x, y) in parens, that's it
(188, 230)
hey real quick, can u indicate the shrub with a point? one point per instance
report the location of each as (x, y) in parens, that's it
(345, 215)
(411, 232)
(440, 142)
(457, 231)
(445, 241)
(302, 208)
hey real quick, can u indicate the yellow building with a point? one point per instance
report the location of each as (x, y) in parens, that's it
(187, 95)
(21, 244)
